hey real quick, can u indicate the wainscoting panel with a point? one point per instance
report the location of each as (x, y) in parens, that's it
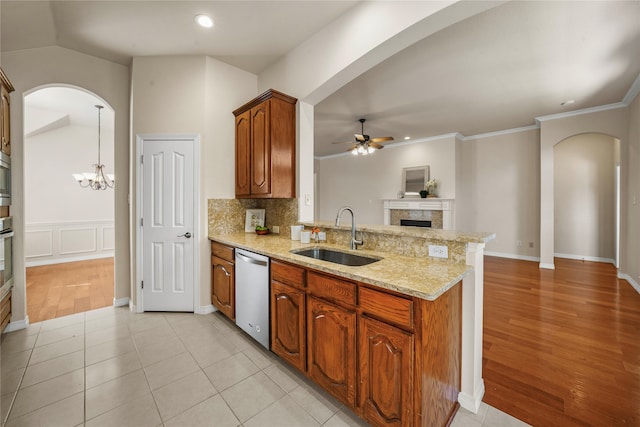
(55, 243)
(39, 243)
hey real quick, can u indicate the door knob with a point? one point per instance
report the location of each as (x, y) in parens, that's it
(187, 235)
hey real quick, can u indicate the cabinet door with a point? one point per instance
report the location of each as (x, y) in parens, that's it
(331, 333)
(5, 129)
(243, 154)
(288, 333)
(261, 149)
(223, 290)
(386, 373)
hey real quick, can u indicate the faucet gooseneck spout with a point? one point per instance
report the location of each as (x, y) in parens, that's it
(354, 242)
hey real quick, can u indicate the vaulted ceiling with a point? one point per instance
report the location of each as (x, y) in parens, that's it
(496, 70)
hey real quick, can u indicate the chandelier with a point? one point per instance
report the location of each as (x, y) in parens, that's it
(97, 180)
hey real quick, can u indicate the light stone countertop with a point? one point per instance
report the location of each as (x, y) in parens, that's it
(418, 277)
(397, 230)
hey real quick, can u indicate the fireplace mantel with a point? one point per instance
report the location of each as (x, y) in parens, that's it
(428, 204)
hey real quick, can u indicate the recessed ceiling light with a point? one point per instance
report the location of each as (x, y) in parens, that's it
(569, 102)
(407, 137)
(204, 21)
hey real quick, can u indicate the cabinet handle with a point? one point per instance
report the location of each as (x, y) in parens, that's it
(225, 271)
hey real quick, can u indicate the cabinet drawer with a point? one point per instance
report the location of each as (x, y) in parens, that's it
(5, 311)
(387, 307)
(332, 289)
(222, 251)
(288, 274)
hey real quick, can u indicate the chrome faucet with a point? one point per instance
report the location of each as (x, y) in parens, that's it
(354, 242)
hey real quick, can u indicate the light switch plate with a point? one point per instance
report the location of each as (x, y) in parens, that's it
(275, 229)
(436, 251)
(307, 199)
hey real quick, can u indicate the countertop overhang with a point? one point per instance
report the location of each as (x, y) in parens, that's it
(412, 276)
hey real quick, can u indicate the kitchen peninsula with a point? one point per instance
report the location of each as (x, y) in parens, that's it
(398, 340)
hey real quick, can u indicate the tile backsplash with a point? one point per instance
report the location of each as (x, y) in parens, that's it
(228, 215)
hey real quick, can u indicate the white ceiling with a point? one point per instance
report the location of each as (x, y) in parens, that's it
(497, 70)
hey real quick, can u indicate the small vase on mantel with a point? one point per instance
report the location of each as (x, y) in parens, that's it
(424, 193)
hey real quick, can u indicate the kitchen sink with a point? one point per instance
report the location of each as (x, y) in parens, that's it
(337, 257)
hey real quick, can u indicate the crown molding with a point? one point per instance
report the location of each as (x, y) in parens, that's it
(580, 112)
(632, 92)
(501, 132)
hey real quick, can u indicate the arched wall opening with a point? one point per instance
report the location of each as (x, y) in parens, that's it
(586, 193)
(69, 230)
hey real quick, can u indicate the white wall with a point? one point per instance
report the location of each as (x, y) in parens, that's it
(362, 182)
(630, 210)
(498, 178)
(193, 95)
(34, 68)
(584, 197)
(51, 193)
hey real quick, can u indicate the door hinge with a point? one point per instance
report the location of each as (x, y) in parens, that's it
(142, 159)
(141, 222)
(142, 284)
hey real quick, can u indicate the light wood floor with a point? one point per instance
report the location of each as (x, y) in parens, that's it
(561, 348)
(61, 289)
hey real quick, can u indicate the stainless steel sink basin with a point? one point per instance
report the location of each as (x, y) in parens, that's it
(336, 257)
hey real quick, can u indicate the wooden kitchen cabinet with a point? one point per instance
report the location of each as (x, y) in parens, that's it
(288, 324)
(5, 311)
(5, 113)
(265, 147)
(223, 289)
(288, 313)
(386, 373)
(331, 333)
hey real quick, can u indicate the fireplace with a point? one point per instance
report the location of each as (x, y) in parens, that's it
(438, 211)
(415, 223)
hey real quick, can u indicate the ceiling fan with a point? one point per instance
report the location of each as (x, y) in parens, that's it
(364, 144)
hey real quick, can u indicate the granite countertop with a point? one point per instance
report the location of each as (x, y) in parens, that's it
(402, 231)
(418, 277)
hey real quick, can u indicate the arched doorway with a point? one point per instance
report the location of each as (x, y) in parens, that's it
(586, 197)
(69, 230)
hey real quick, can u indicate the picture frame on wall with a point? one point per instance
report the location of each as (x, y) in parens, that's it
(254, 217)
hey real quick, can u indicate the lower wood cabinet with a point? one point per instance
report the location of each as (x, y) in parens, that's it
(386, 373)
(332, 348)
(288, 324)
(393, 359)
(223, 288)
(5, 311)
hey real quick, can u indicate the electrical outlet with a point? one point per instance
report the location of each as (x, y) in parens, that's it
(531, 244)
(436, 251)
(519, 243)
(307, 199)
(275, 229)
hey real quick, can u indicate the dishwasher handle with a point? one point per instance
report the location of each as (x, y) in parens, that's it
(251, 260)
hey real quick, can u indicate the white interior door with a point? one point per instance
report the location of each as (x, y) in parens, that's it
(168, 225)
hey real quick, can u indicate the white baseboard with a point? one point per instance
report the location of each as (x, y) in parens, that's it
(547, 266)
(586, 258)
(64, 260)
(512, 256)
(472, 403)
(629, 279)
(17, 325)
(120, 302)
(205, 309)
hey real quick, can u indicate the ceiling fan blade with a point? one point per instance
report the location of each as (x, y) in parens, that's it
(343, 142)
(361, 138)
(382, 139)
(353, 147)
(374, 145)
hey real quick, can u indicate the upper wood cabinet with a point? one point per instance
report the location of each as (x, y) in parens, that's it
(5, 113)
(266, 147)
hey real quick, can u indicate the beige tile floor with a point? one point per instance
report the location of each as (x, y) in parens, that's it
(110, 367)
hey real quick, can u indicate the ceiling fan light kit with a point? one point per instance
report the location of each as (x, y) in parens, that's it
(365, 144)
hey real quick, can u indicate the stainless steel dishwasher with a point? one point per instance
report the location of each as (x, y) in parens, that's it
(252, 295)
